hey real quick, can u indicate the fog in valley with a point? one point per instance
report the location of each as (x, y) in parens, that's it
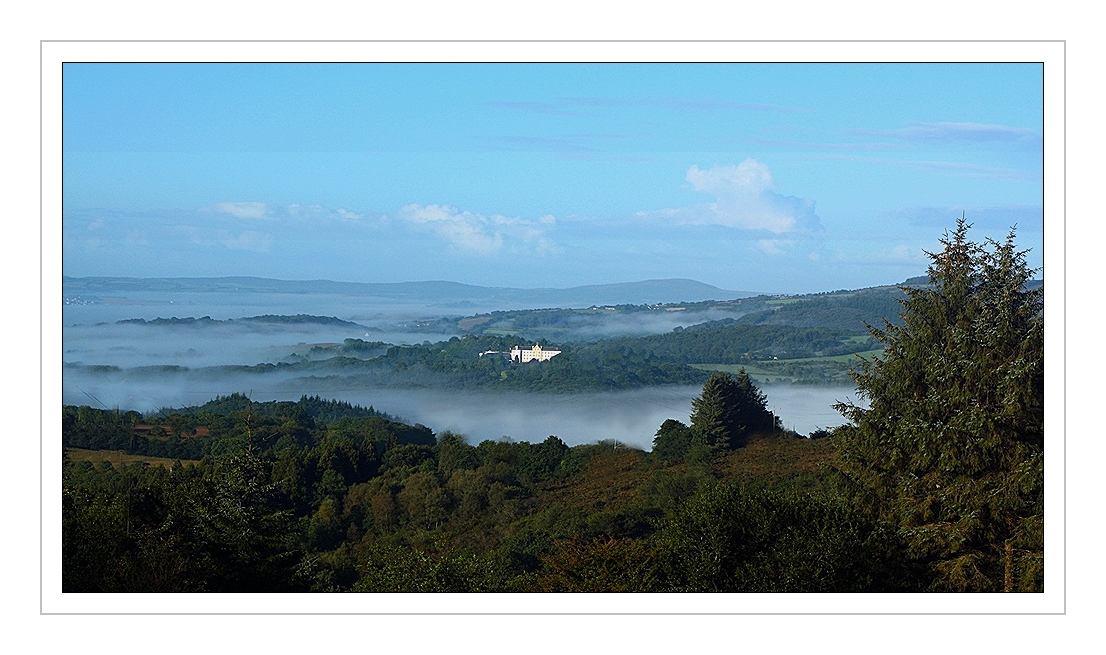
(93, 338)
(639, 324)
(631, 417)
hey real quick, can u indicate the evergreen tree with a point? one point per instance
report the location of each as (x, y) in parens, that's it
(672, 441)
(729, 409)
(951, 449)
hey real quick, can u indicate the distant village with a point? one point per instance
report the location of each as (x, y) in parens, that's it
(537, 353)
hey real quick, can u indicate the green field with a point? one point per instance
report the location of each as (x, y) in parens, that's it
(804, 370)
(851, 357)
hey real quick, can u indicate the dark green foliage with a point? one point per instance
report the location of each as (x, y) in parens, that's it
(351, 348)
(407, 456)
(540, 461)
(729, 342)
(97, 429)
(726, 539)
(398, 569)
(331, 516)
(314, 406)
(672, 441)
(728, 411)
(951, 451)
(454, 453)
(668, 489)
(237, 527)
(217, 527)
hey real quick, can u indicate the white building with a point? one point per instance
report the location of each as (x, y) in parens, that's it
(535, 353)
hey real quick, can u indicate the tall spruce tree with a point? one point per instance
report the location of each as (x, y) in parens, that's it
(729, 409)
(951, 449)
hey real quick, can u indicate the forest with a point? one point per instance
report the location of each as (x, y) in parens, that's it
(936, 485)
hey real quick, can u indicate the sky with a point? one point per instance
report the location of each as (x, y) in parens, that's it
(776, 178)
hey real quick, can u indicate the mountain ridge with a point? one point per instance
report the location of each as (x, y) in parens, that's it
(639, 292)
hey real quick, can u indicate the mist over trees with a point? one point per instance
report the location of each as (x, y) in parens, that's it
(937, 485)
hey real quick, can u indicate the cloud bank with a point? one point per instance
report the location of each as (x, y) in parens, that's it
(744, 201)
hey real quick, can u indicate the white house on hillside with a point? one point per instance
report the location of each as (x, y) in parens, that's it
(535, 353)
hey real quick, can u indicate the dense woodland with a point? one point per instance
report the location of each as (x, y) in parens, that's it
(936, 486)
(281, 500)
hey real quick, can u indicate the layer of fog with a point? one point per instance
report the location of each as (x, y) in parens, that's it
(131, 345)
(229, 305)
(637, 324)
(92, 336)
(631, 417)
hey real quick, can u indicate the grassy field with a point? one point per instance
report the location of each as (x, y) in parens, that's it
(116, 458)
(867, 354)
(804, 370)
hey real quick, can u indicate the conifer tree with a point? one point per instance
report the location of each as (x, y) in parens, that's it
(951, 449)
(672, 441)
(727, 411)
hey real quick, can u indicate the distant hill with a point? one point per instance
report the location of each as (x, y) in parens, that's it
(845, 309)
(840, 310)
(451, 293)
(267, 319)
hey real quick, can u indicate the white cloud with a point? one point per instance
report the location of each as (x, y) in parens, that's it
(745, 200)
(748, 178)
(477, 233)
(243, 209)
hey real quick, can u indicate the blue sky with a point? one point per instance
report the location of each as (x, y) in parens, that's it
(757, 177)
